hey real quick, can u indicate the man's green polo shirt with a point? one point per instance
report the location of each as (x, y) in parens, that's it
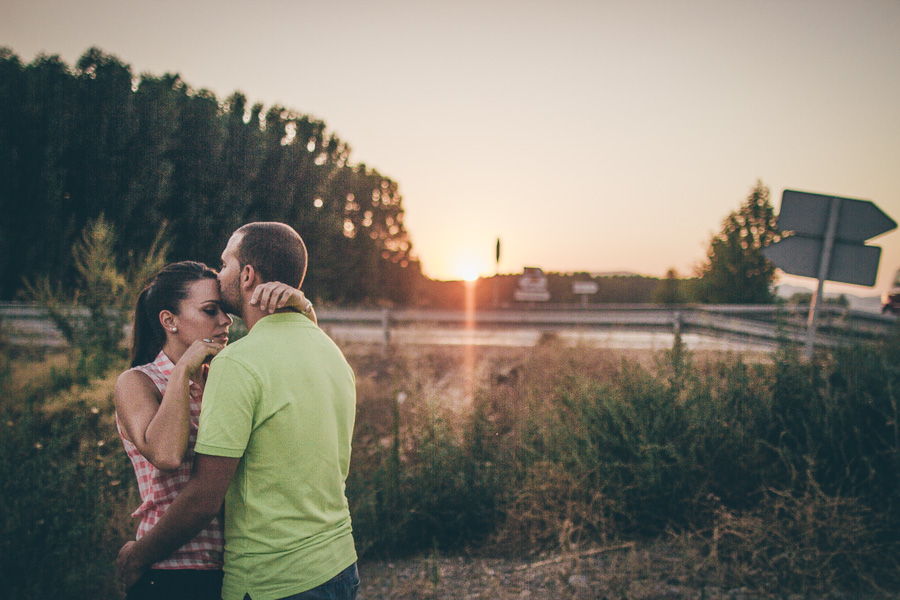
(283, 400)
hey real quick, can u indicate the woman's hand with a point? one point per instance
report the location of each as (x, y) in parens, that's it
(160, 426)
(197, 354)
(273, 295)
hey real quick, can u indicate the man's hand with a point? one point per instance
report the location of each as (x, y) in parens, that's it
(128, 571)
(198, 502)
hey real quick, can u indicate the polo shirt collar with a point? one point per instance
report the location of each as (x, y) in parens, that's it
(280, 318)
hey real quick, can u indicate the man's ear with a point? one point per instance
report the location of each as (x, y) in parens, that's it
(248, 277)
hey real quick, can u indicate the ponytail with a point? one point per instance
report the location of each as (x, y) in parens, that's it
(147, 334)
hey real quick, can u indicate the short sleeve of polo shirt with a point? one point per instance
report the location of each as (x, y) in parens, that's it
(226, 415)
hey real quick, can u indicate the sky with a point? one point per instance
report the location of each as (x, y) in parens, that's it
(601, 136)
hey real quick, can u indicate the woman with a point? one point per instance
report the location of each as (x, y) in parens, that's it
(179, 325)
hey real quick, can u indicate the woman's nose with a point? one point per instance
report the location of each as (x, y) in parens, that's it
(227, 321)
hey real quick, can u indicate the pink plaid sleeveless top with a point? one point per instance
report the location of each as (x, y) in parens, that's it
(159, 488)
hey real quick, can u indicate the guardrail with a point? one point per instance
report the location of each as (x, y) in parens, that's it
(765, 324)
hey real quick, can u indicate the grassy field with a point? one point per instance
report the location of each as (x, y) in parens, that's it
(762, 474)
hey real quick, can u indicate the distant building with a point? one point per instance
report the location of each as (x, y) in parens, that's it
(532, 286)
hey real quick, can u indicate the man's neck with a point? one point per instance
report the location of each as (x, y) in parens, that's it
(251, 315)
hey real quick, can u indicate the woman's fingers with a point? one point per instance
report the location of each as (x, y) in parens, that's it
(261, 294)
(273, 295)
(199, 352)
(283, 295)
(265, 298)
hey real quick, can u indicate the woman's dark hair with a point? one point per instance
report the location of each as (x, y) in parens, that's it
(164, 292)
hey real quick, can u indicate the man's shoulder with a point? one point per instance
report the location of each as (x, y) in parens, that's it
(233, 350)
(239, 352)
(270, 341)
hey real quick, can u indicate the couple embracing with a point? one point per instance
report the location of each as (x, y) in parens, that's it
(271, 443)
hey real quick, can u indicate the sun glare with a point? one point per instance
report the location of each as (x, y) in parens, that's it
(470, 274)
(468, 268)
(467, 271)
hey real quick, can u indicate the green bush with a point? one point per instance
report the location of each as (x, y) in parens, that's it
(575, 451)
(60, 483)
(436, 495)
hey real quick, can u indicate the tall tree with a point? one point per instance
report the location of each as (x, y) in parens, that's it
(12, 80)
(736, 272)
(79, 142)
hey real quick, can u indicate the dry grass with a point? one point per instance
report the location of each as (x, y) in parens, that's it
(29, 371)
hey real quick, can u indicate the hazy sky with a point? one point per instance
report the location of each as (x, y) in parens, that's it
(588, 136)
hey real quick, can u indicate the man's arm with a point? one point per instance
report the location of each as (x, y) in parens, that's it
(192, 510)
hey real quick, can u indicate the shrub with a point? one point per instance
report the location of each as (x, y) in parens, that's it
(418, 486)
(106, 293)
(60, 483)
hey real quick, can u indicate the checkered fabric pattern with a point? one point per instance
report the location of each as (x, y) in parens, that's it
(159, 488)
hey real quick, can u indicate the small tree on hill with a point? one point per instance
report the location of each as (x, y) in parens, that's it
(736, 272)
(668, 290)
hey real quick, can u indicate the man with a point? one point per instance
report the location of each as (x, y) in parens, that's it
(274, 443)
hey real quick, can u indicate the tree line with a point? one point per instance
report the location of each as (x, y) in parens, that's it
(149, 152)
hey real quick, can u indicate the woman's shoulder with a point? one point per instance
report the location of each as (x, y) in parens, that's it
(135, 380)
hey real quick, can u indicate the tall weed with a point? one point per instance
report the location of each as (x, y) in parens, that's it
(106, 292)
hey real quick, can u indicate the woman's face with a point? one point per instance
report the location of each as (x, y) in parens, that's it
(200, 314)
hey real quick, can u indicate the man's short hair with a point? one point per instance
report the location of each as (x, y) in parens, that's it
(275, 250)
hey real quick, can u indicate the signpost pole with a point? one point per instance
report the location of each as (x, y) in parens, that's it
(824, 265)
(494, 287)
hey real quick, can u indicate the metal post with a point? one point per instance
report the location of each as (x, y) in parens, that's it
(386, 326)
(494, 288)
(824, 264)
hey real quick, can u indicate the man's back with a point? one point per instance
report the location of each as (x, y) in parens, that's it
(282, 399)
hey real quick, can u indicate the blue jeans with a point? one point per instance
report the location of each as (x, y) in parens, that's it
(342, 586)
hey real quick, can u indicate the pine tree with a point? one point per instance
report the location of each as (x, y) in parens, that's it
(736, 272)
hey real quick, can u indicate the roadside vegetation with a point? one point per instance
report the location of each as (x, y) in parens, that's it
(777, 476)
(771, 474)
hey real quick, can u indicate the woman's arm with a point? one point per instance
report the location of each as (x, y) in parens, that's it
(160, 427)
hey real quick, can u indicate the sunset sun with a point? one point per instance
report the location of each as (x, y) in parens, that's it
(469, 273)
(467, 269)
